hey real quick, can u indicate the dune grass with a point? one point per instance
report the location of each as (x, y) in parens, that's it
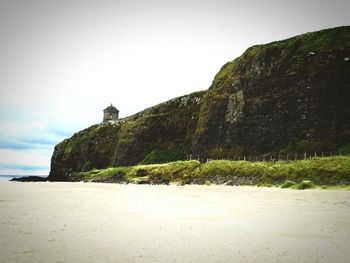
(326, 171)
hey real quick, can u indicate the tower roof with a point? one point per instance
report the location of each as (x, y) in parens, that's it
(111, 108)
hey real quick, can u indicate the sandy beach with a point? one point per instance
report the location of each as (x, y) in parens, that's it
(86, 222)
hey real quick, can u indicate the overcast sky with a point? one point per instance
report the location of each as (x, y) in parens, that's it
(63, 62)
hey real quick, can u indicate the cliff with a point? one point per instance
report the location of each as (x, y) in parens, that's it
(290, 95)
(166, 127)
(283, 97)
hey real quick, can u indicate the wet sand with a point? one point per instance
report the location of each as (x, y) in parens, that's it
(86, 222)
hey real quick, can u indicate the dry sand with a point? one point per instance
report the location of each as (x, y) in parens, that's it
(86, 222)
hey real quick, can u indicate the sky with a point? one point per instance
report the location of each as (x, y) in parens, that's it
(63, 62)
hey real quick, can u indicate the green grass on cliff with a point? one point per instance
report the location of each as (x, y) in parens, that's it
(162, 156)
(329, 171)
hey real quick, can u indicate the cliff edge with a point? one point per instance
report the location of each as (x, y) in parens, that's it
(283, 97)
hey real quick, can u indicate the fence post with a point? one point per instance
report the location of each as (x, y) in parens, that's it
(304, 156)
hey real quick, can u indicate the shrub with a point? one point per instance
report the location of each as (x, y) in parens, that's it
(265, 185)
(288, 184)
(345, 149)
(305, 184)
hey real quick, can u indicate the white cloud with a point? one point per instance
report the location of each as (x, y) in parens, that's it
(26, 158)
(62, 63)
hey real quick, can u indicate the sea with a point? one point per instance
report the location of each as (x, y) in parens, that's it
(9, 177)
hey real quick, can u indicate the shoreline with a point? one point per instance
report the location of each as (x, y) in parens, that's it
(89, 222)
(28, 179)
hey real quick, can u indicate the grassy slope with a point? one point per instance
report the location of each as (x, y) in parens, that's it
(332, 171)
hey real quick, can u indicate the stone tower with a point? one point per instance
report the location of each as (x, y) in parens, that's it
(110, 114)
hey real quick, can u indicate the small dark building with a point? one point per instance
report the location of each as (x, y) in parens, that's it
(110, 114)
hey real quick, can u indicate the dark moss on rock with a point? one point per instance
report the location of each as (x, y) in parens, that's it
(290, 94)
(31, 178)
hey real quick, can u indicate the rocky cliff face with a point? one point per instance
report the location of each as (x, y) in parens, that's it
(290, 95)
(287, 96)
(168, 126)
